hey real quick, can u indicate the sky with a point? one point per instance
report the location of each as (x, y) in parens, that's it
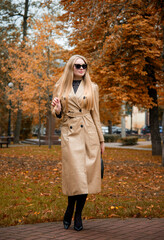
(61, 40)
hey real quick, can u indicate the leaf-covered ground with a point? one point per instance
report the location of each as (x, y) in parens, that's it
(30, 186)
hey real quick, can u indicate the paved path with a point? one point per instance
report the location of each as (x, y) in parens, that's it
(140, 145)
(99, 229)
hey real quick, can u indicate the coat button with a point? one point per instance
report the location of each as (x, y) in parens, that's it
(70, 127)
(81, 126)
(79, 110)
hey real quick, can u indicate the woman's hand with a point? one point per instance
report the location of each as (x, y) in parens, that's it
(57, 105)
(102, 146)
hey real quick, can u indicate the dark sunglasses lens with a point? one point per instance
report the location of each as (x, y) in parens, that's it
(78, 66)
(84, 66)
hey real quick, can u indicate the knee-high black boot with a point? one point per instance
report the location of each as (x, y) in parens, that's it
(81, 199)
(69, 212)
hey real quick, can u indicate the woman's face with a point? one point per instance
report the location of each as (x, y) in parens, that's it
(79, 72)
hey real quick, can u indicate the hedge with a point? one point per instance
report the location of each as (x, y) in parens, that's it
(111, 137)
(129, 140)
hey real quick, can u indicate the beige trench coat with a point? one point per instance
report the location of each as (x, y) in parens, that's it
(81, 135)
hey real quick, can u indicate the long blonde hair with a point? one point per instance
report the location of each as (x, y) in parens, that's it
(65, 82)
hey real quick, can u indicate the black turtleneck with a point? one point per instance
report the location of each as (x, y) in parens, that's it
(75, 85)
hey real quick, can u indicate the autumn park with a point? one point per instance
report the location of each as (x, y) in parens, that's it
(123, 42)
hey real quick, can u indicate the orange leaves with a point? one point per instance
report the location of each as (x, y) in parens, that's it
(34, 68)
(140, 208)
(28, 199)
(115, 207)
(118, 41)
(45, 194)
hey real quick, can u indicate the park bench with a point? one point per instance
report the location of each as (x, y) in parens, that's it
(5, 141)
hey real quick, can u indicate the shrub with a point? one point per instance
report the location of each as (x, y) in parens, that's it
(111, 138)
(129, 140)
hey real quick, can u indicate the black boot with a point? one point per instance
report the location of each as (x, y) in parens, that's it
(69, 212)
(79, 208)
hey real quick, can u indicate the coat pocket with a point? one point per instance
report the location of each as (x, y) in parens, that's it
(93, 138)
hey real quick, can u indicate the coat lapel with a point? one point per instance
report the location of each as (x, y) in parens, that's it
(80, 90)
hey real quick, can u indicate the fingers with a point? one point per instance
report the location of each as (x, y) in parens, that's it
(102, 147)
(55, 101)
(103, 150)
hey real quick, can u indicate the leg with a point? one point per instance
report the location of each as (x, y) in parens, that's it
(69, 212)
(81, 199)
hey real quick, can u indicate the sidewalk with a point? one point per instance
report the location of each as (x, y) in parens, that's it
(98, 229)
(140, 145)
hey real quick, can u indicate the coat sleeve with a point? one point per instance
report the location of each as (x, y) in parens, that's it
(95, 113)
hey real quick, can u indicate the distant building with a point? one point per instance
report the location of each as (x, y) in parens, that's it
(138, 119)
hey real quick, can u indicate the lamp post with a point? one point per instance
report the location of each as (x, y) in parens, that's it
(39, 119)
(10, 85)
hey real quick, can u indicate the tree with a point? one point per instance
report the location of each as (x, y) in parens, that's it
(34, 70)
(9, 35)
(19, 112)
(122, 40)
(12, 12)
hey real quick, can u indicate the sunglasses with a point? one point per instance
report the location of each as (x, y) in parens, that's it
(78, 66)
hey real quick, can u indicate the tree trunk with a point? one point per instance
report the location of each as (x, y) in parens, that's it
(155, 135)
(19, 113)
(25, 17)
(109, 127)
(49, 101)
(163, 138)
(131, 118)
(39, 129)
(163, 110)
(18, 126)
(39, 133)
(154, 125)
(50, 129)
(154, 122)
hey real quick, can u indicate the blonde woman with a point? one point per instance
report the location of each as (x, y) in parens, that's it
(76, 100)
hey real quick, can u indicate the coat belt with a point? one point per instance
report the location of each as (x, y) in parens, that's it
(76, 114)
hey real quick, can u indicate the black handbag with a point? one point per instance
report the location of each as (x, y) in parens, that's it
(102, 168)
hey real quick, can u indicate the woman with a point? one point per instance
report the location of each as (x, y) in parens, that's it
(76, 99)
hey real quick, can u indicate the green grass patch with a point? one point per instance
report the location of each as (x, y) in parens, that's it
(31, 191)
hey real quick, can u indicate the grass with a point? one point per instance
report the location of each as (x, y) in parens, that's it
(31, 191)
